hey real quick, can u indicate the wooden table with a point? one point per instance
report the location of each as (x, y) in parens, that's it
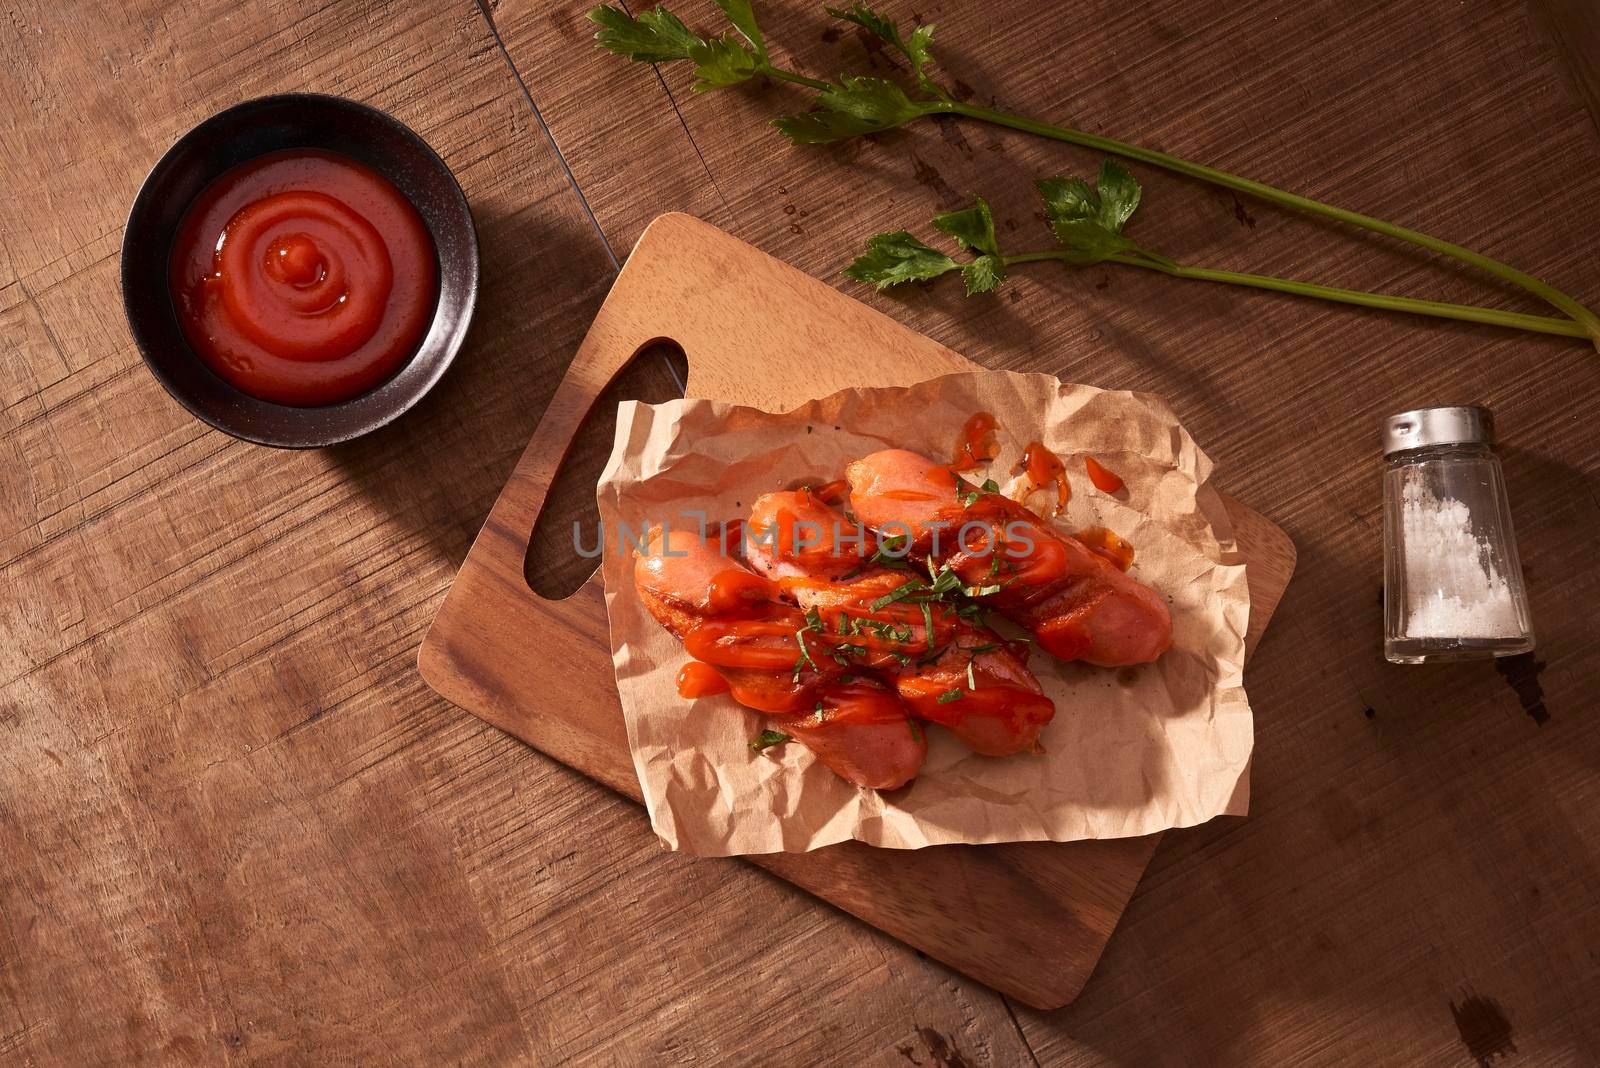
(236, 826)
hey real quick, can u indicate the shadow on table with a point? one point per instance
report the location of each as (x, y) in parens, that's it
(1417, 858)
(438, 469)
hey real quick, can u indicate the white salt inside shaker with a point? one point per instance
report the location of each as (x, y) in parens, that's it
(1452, 586)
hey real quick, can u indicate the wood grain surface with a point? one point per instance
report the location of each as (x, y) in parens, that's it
(758, 332)
(236, 826)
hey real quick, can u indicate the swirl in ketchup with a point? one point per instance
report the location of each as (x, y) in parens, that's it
(303, 277)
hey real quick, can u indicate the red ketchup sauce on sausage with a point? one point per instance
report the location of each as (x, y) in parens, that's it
(303, 277)
(700, 680)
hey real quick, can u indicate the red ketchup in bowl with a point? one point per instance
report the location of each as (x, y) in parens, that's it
(303, 277)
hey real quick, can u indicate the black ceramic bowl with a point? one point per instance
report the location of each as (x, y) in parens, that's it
(243, 132)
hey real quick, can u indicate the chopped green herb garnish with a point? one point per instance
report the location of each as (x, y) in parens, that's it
(875, 560)
(883, 556)
(899, 632)
(945, 581)
(972, 683)
(767, 739)
(951, 695)
(813, 623)
(820, 714)
(899, 593)
(916, 731)
(969, 498)
(927, 623)
(805, 654)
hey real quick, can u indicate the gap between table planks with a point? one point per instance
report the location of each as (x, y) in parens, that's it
(1028, 919)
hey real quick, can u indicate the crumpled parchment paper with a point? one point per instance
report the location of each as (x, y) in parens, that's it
(1131, 751)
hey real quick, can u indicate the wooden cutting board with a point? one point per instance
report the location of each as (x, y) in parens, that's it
(1029, 919)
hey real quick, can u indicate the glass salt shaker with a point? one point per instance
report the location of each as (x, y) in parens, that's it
(1452, 583)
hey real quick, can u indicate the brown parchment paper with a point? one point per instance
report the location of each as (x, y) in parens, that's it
(1131, 751)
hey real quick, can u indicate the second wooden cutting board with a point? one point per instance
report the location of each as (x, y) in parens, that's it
(1030, 918)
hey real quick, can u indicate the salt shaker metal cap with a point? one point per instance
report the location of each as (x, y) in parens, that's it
(1452, 581)
(1462, 424)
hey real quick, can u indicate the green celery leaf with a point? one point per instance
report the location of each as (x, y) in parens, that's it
(917, 49)
(874, 99)
(655, 36)
(983, 274)
(1119, 195)
(743, 17)
(822, 127)
(898, 257)
(855, 106)
(1087, 220)
(863, 15)
(1089, 236)
(1088, 242)
(722, 61)
(1068, 198)
(973, 227)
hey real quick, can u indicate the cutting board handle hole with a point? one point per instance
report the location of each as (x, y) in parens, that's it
(554, 566)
